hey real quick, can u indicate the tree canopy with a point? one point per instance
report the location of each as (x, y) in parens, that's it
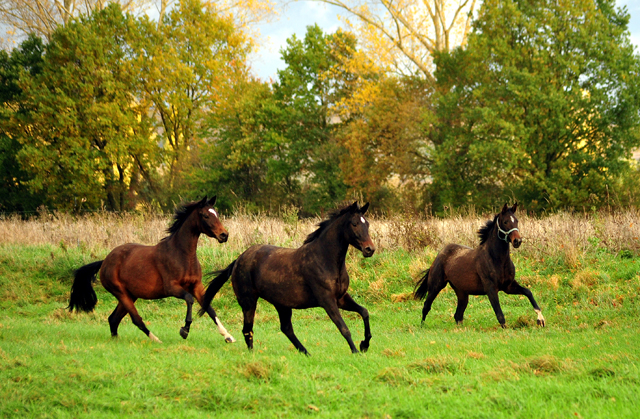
(537, 101)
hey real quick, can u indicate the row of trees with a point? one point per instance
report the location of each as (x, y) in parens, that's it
(540, 103)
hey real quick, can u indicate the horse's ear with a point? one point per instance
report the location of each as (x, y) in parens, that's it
(514, 207)
(212, 201)
(354, 206)
(505, 208)
(364, 208)
(203, 202)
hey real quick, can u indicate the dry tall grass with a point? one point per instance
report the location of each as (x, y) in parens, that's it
(568, 235)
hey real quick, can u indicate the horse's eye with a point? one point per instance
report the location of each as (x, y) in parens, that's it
(353, 223)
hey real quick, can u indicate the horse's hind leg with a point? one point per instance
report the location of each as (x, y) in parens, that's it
(431, 295)
(347, 303)
(115, 318)
(515, 288)
(129, 306)
(249, 312)
(287, 328)
(199, 294)
(463, 300)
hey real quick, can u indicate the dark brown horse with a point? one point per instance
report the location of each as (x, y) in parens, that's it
(313, 275)
(168, 269)
(484, 270)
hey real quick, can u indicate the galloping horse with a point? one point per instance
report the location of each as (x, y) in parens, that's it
(484, 270)
(314, 275)
(168, 269)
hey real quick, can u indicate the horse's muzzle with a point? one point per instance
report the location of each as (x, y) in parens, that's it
(368, 251)
(517, 242)
(222, 237)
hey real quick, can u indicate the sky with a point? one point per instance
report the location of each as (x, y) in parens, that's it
(295, 18)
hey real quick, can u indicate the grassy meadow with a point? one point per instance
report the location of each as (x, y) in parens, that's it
(582, 269)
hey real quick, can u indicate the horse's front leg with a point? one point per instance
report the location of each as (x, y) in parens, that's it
(184, 331)
(347, 303)
(198, 290)
(492, 292)
(515, 288)
(331, 307)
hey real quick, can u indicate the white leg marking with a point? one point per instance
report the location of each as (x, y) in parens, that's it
(227, 337)
(154, 338)
(541, 321)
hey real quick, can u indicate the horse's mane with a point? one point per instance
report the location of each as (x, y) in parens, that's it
(181, 215)
(484, 231)
(324, 224)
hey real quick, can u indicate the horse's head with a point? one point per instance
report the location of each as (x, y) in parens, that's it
(508, 225)
(357, 230)
(210, 222)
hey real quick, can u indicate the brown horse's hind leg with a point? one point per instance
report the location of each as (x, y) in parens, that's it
(287, 328)
(463, 300)
(128, 304)
(515, 288)
(115, 318)
(347, 303)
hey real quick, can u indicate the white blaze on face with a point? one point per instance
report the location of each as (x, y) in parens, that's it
(512, 220)
(362, 219)
(212, 211)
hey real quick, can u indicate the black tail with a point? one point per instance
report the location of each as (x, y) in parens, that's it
(422, 286)
(83, 297)
(215, 285)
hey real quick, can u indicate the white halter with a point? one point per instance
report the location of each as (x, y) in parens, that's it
(506, 233)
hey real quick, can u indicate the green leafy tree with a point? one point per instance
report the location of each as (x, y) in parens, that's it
(540, 106)
(14, 192)
(84, 136)
(187, 68)
(276, 144)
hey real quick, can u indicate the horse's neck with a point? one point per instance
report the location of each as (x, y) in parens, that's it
(186, 238)
(331, 245)
(497, 248)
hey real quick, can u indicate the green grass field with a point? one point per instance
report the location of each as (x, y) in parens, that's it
(585, 363)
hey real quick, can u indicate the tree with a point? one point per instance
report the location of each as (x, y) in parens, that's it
(85, 138)
(42, 17)
(382, 142)
(187, 67)
(404, 35)
(276, 144)
(14, 193)
(541, 106)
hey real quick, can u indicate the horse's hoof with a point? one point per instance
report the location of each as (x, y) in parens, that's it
(504, 326)
(229, 339)
(184, 332)
(154, 338)
(364, 346)
(541, 323)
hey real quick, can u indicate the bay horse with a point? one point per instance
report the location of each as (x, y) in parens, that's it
(313, 275)
(484, 270)
(168, 269)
